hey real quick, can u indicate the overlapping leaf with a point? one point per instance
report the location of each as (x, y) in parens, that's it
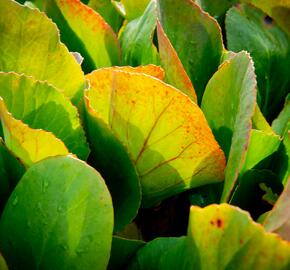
(85, 31)
(41, 106)
(30, 45)
(175, 73)
(108, 11)
(119, 101)
(228, 104)
(248, 28)
(137, 39)
(73, 225)
(219, 237)
(278, 220)
(195, 36)
(30, 145)
(11, 170)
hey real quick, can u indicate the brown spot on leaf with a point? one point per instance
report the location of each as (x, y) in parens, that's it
(218, 223)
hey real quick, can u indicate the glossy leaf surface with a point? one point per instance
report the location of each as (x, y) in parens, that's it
(74, 221)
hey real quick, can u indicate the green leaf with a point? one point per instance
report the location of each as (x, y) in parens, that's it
(41, 106)
(261, 146)
(195, 36)
(134, 9)
(281, 161)
(279, 10)
(3, 265)
(66, 223)
(279, 125)
(219, 237)
(217, 9)
(30, 45)
(122, 251)
(248, 29)
(228, 104)
(11, 170)
(108, 11)
(278, 219)
(85, 31)
(137, 39)
(249, 195)
(145, 121)
(175, 73)
(29, 145)
(148, 256)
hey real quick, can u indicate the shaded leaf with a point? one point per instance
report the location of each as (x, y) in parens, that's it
(278, 220)
(248, 29)
(175, 73)
(122, 251)
(108, 11)
(249, 195)
(11, 170)
(85, 31)
(120, 100)
(3, 265)
(195, 36)
(30, 45)
(41, 106)
(30, 145)
(134, 9)
(279, 125)
(137, 39)
(217, 9)
(228, 104)
(219, 237)
(279, 10)
(74, 221)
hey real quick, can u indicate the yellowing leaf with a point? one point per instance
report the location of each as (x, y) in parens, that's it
(175, 73)
(165, 133)
(152, 70)
(30, 145)
(30, 44)
(85, 31)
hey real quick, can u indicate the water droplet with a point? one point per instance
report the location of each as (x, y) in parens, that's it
(15, 201)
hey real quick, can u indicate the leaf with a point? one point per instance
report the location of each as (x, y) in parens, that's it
(30, 145)
(248, 29)
(11, 170)
(249, 195)
(73, 225)
(217, 9)
(108, 11)
(195, 36)
(137, 39)
(151, 70)
(281, 161)
(122, 251)
(279, 10)
(41, 106)
(134, 9)
(3, 265)
(145, 122)
(175, 73)
(219, 237)
(149, 255)
(85, 31)
(278, 220)
(259, 122)
(261, 146)
(279, 125)
(30, 45)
